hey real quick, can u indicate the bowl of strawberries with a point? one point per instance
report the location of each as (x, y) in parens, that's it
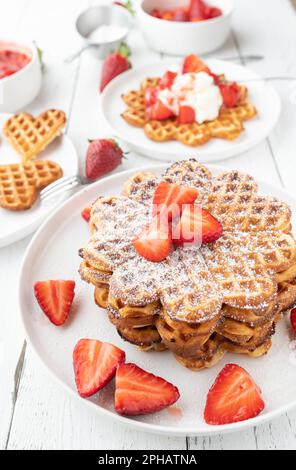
(180, 27)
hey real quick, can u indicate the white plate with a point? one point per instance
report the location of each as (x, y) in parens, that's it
(53, 254)
(261, 94)
(17, 225)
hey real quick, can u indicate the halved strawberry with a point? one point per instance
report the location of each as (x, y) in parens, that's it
(55, 298)
(193, 64)
(213, 12)
(197, 226)
(151, 96)
(159, 112)
(233, 397)
(155, 242)
(293, 319)
(169, 199)
(186, 115)
(167, 80)
(197, 10)
(231, 94)
(95, 365)
(138, 392)
(181, 14)
(85, 214)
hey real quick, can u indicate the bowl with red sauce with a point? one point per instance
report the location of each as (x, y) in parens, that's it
(20, 75)
(182, 27)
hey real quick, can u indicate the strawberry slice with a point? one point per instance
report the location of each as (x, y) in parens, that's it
(233, 397)
(95, 365)
(293, 319)
(151, 96)
(193, 64)
(138, 392)
(85, 214)
(55, 299)
(231, 94)
(159, 112)
(169, 199)
(213, 12)
(197, 226)
(167, 80)
(181, 14)
(186, 115)
(197, 10)
(155, 242)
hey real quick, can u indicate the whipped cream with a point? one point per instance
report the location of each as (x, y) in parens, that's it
(196, 90)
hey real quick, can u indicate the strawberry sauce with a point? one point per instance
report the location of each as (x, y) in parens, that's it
(11, 62)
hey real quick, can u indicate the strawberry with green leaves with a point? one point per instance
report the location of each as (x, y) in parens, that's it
(115, 63)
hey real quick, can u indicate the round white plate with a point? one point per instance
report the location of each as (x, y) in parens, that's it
(17, 225)
(60, 238)
(261, 94)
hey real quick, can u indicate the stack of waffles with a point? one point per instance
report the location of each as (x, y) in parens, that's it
(228, 125)
(201, 301)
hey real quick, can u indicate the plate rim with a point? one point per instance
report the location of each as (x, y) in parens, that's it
(22, 233)
(240, 148)
(127, 421)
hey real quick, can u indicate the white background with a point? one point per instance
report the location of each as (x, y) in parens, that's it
(35, 412)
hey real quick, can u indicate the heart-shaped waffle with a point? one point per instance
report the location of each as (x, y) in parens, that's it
(29, 136)
(218, 297)
(20, 183)
(228, 125)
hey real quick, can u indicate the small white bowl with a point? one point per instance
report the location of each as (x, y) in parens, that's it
(21, 88)
(183, 38)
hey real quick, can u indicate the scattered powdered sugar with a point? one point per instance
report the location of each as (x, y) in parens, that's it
(194, 282)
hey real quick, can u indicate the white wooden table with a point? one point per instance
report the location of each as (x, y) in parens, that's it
(36, 413)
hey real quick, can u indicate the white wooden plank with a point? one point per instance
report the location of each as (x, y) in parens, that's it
(11, 336)
(47, 417)
(47, 27)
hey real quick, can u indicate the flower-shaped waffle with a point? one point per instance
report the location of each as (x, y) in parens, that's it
(200, 301)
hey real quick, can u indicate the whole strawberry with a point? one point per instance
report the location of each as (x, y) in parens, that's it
(115, 64)
(103, 156)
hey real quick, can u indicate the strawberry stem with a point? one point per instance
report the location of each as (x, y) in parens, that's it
(124, 50)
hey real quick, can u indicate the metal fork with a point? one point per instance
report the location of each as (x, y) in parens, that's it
(63, 184)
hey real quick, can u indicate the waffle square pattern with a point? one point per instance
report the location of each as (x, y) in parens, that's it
(200, 302)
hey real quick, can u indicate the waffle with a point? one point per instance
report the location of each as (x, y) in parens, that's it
(29, 136)
(228, 125)
(20, 183)
(201, 302)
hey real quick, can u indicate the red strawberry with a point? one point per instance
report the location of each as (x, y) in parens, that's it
(155, 242)
(156, 13)
(138, 392)
(233, 397)
(213, 12)
(193, 64)
(167, 80)
(293, 319)
(95, 365)
(159, 112)
(85, 214)
(231, 94)
(115, 64)
(196, 225)
(151, 96)
(103, 156)
(181, 14)
(170, 198)
(167, 15)
(55, 298)
(197, 10)
(186, 115)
